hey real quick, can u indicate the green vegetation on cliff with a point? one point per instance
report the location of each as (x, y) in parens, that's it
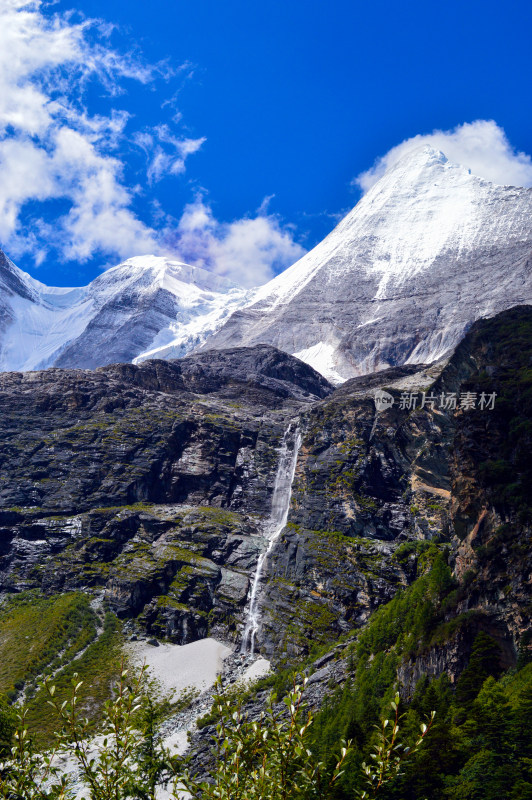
(41, 634)
(481, 744)
(506, 473)
(56, 635)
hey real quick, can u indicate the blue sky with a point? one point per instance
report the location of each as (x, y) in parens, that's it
(231, 133)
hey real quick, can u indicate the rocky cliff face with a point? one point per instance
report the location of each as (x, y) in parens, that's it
(366, 483)
(459, 483)
(372, 489)
(151, 486)
(147, 482)
(197, 430)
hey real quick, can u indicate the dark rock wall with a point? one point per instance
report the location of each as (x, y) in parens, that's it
(153, 485)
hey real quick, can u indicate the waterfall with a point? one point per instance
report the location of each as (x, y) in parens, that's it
(282, 492)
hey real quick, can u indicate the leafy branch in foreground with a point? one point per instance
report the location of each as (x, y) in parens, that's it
(253, 759)
(29, 775)
(127, 761)
(389, 754)
(265, 759)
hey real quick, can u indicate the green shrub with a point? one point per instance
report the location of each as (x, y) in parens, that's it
(255, 759)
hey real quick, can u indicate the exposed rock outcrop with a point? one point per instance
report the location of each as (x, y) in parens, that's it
(153, 484)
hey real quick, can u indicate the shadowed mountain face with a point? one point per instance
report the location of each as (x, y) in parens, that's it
(426, 252)
(154, 485)
(11, 282)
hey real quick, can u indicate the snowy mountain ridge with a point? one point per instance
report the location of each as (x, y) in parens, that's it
(427, 251)
(129, 312)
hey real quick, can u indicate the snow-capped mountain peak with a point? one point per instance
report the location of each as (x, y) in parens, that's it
(429, 249)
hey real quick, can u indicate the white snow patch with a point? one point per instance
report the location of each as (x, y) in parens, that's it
(177, 667)
(321, 358)
(369, 322)
(205, 316)
(259, 669)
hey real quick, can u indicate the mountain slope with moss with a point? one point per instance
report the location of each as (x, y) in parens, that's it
(142, 495)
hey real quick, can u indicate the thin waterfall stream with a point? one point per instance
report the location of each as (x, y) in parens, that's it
(282, 493)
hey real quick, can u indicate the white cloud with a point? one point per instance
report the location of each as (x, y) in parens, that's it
(166, 161)
(248, 251)
(51, 148)
(99, 218)
(25, 172)
(62, 177)
(481, 146)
